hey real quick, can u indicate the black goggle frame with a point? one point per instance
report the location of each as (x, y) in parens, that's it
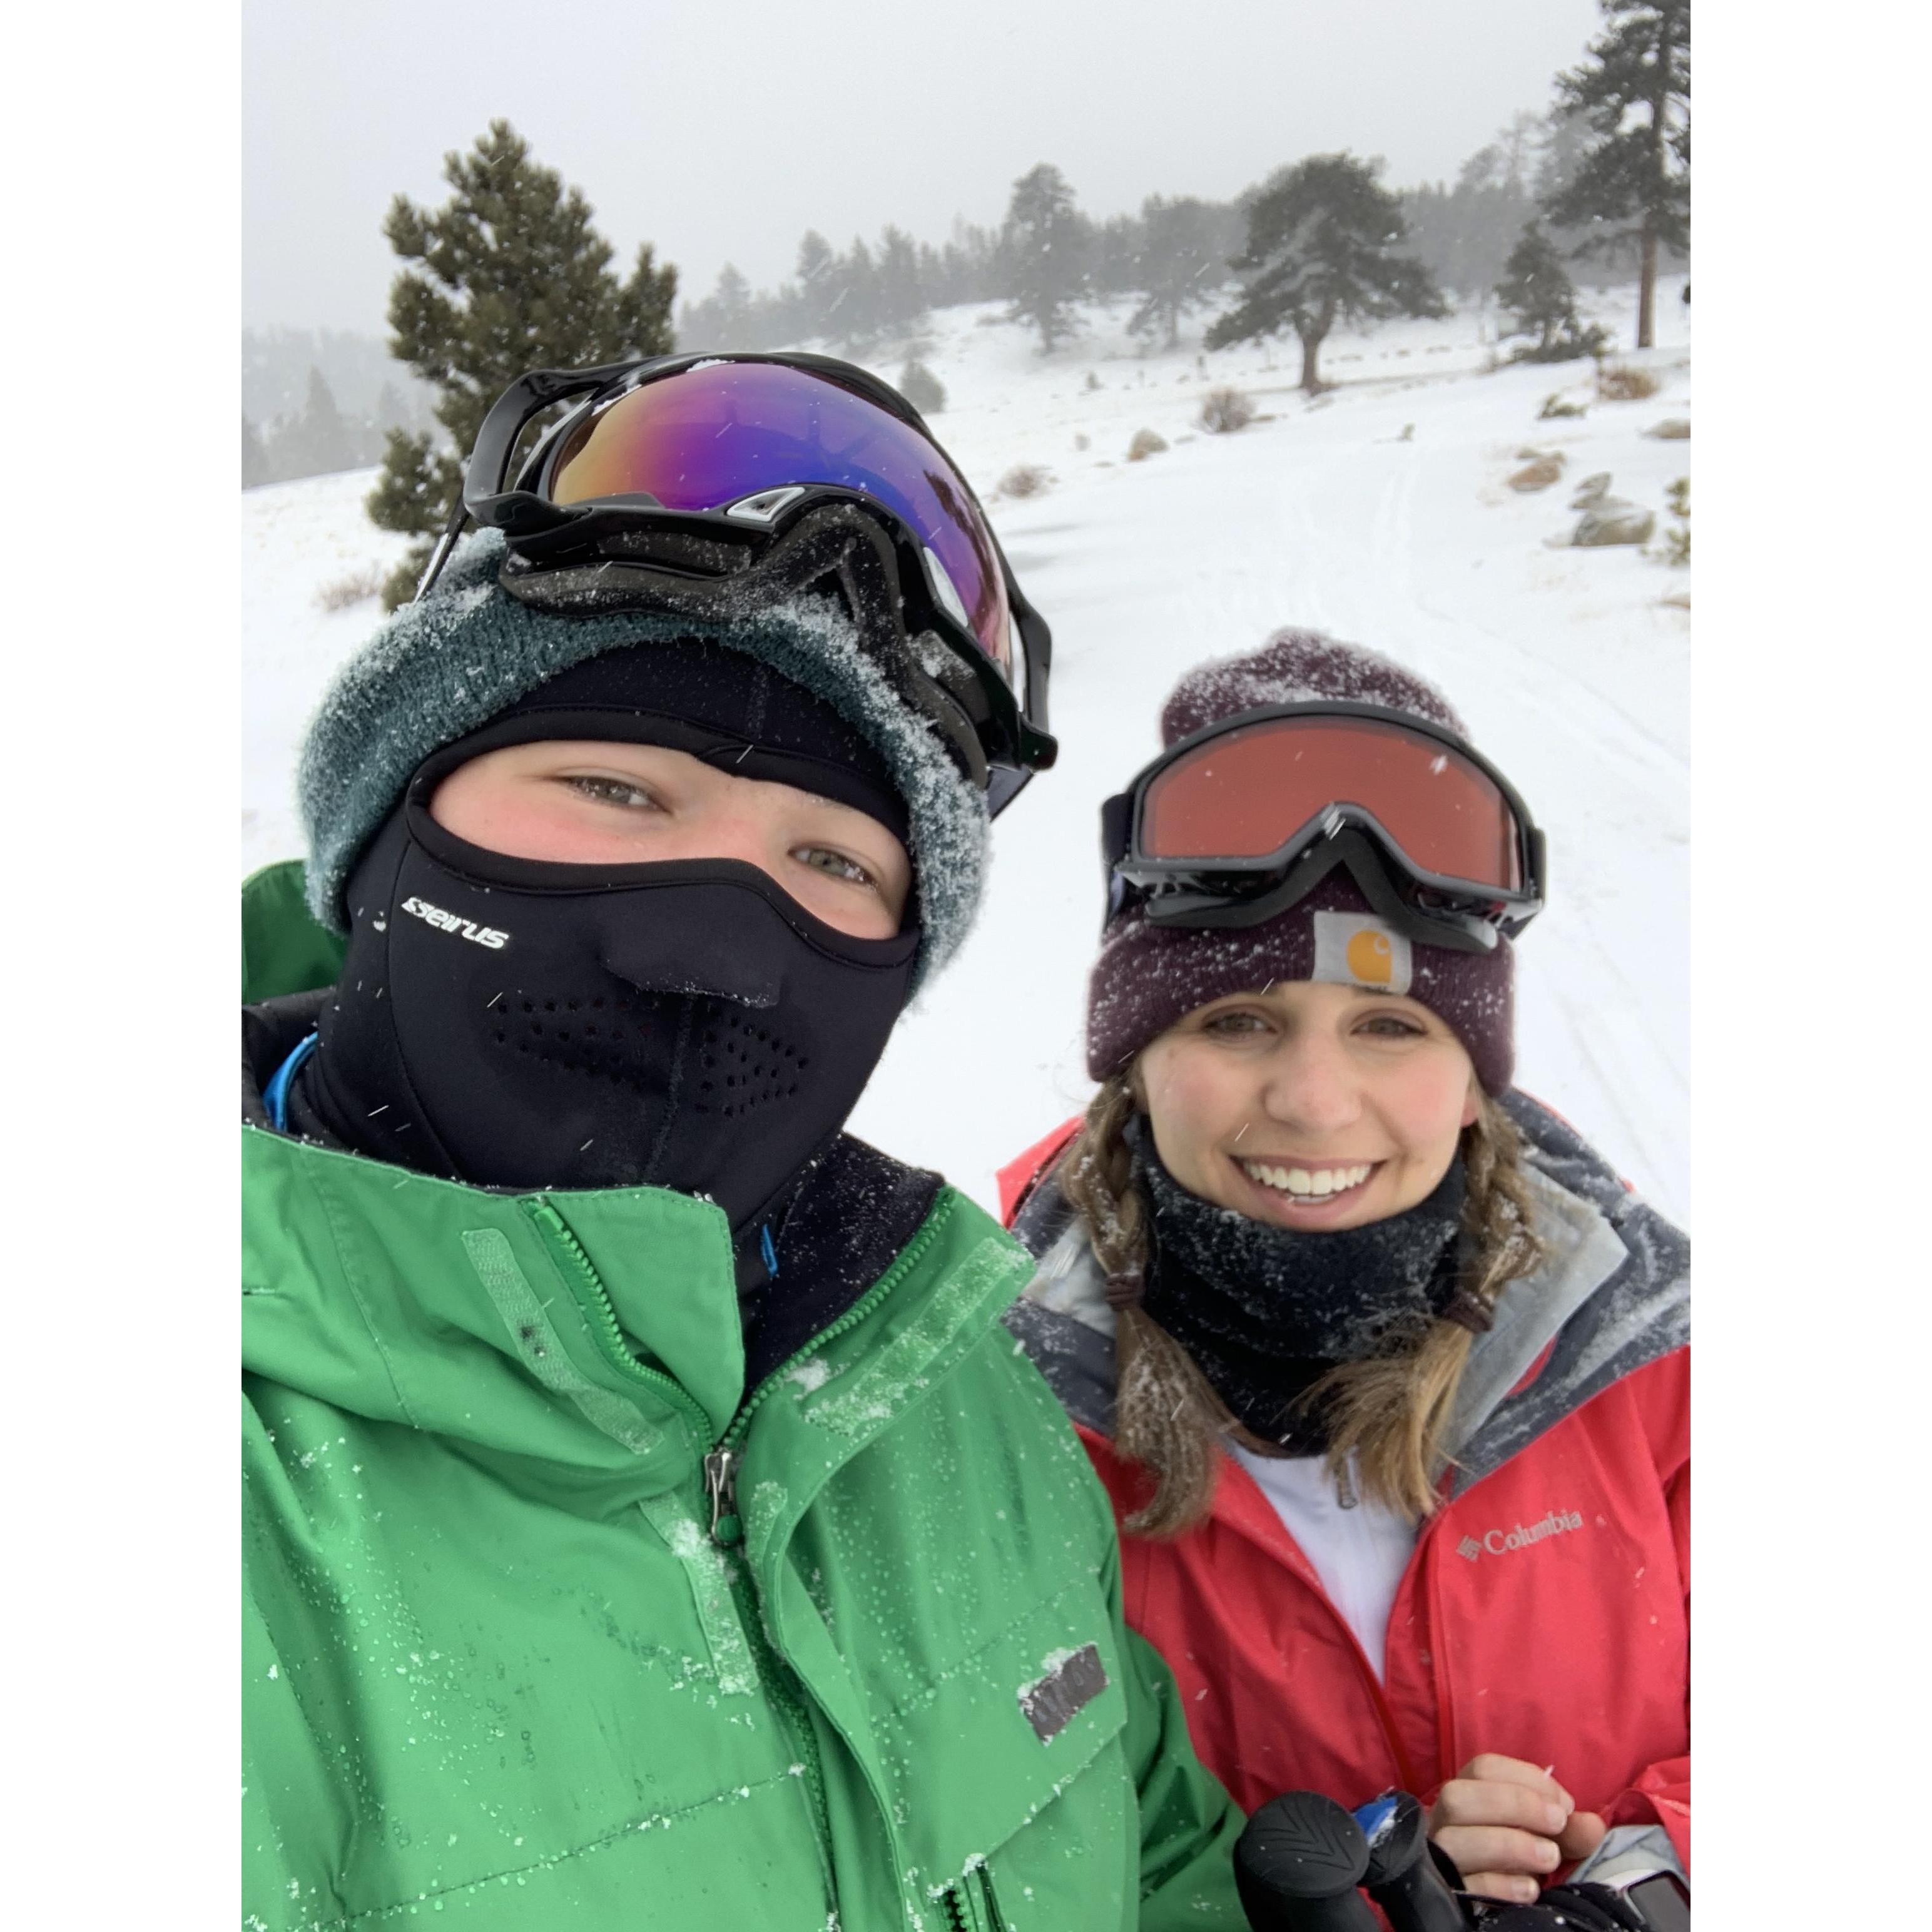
(1431, 908)
(606, 552)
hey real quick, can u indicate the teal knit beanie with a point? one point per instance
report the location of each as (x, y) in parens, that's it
(444, 666)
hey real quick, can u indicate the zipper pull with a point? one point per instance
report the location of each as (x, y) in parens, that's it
(1345, 1487)
(720, 1485)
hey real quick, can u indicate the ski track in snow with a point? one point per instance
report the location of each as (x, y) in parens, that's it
(1569, 670)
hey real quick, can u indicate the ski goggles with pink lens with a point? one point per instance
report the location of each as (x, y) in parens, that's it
(1240, 820)
(682, 482)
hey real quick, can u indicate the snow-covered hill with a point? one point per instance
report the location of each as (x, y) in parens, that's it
(1377, 513)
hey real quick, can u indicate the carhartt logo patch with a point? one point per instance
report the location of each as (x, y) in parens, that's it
(1351, 949)
(1052, 1702)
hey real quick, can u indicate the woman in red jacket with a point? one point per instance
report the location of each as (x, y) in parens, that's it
(1385, 1370)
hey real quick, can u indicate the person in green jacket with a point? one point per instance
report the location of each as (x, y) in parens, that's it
(648, 1521)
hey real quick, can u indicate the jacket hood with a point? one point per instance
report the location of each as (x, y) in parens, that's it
(1612, 1292)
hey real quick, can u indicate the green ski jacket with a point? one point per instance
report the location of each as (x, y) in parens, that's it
(551, 1622)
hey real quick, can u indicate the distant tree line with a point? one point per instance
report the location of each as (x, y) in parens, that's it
(1603, 175)
(363, 378)
(1046, 258)
(316, 400)
(510, 273)
(319, 438)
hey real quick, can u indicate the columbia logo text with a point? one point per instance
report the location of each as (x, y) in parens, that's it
(450, 921)
(1500, 1542)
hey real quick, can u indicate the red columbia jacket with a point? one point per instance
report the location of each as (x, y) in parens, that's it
(1545, 1612)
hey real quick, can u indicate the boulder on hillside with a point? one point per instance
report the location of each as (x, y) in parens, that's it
(1592, 490)
(1673, 429)
(1147, 442)
(1613, 521)
(1537, 476)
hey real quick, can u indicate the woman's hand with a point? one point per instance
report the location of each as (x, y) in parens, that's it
(1508, 1826)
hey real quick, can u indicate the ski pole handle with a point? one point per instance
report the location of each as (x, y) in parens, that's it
(1298, 1864)
(1401, 1876)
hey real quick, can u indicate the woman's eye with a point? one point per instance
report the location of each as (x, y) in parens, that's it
(613, 791)
(834, 864)
(1390, 1026)
(1236, 1025)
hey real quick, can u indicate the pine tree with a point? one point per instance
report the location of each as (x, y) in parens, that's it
(1634, 178)
(922, 389)
(1117, 255)
(901, 299)
(816, 282)
(1536, 290)
(390, 409)
(324, 442)
(1181, 263)
(508, 275)
(1043, 255)
(731, 310)
(1463, 234)
(255, 470)
(852, 318)
(1565, 137)
(1322, 238)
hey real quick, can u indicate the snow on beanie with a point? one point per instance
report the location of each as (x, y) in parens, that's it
(1147, 977)
(446, 665)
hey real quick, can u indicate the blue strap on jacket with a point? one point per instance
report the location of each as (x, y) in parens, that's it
(275, 1095)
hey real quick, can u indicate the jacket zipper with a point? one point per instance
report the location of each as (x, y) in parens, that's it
(720, 1478)
(727, 1529)
(721, 1464)
(963, 1913)
(556, 1233)
(720, 1484)
(1438, 1659)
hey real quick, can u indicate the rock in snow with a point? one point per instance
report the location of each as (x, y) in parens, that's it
(1539, 475)
(1613, 521)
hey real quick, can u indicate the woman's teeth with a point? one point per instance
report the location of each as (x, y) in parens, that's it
(1316, 1182)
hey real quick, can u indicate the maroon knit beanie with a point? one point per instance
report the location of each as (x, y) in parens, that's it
(1148, 977)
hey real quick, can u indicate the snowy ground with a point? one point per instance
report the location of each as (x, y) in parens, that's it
(1377, 514)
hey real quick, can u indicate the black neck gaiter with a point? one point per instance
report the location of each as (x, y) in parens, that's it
(518, 1024)
(1266, 1312)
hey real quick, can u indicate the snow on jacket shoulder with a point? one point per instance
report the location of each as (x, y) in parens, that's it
(1545, 1612)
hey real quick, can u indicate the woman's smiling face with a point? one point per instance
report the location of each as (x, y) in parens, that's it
(1309, 1105)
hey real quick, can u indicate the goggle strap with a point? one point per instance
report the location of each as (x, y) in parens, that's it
(1364, 863)
(459, 512)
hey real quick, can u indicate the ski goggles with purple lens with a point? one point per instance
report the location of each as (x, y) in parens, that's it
(681, 482)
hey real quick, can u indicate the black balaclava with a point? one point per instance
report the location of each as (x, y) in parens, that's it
(1266, 1311)
(520, 1024)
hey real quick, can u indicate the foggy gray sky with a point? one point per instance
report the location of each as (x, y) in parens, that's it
(722, 131)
